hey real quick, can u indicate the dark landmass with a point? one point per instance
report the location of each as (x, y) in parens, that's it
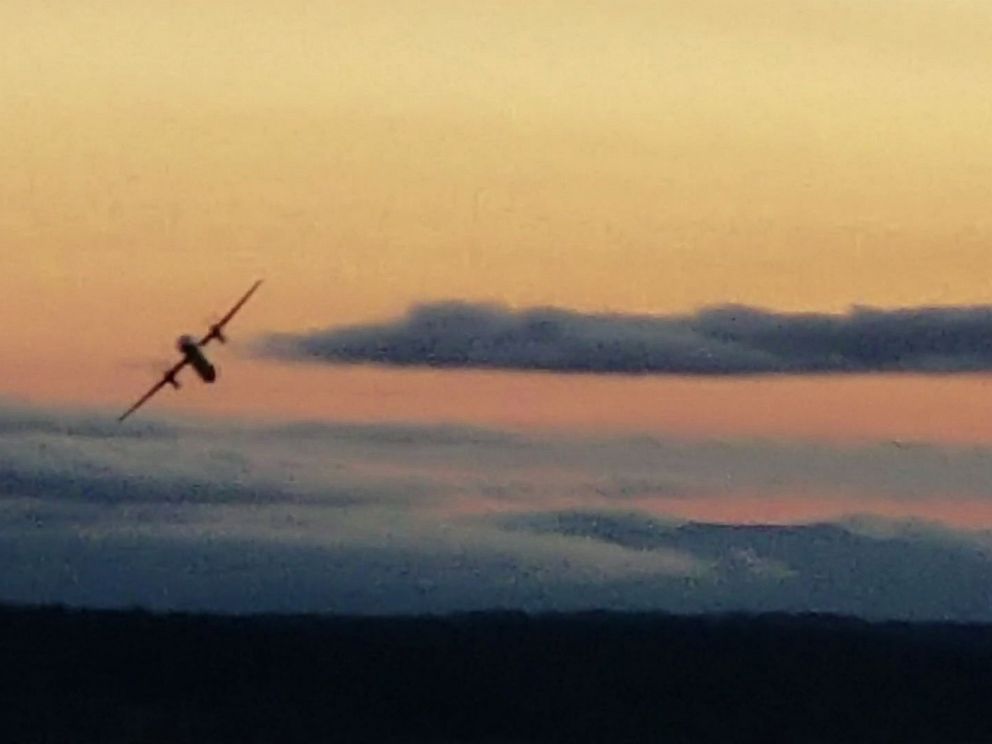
(132, 676)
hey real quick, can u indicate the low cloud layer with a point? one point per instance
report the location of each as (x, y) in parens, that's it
(728, 340)
(384, 519)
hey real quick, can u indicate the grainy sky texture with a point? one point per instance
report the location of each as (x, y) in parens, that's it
(607, 162)
(646, 156)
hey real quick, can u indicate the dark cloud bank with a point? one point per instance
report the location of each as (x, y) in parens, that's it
(725, 340)
(370, 519)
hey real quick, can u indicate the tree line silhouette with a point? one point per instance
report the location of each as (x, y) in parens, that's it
(133, 676)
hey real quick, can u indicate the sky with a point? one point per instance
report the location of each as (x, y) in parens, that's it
(733, 199)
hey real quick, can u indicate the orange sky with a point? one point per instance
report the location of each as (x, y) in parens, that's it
(631, 156)
(903, 409)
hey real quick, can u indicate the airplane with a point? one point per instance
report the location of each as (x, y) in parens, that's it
(193, 356)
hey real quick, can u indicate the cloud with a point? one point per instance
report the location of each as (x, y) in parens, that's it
(27, 420)
(443, 466)
(905, 570)
(726, 340)
(379, 518)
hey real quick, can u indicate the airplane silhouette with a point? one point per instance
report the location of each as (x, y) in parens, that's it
(193, 356)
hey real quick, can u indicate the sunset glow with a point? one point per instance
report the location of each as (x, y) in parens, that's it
(641, 157)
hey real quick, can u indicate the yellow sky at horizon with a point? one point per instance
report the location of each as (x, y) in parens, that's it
(362, 156)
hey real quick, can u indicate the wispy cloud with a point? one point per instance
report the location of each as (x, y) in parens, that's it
(381, 518)
(728, 340)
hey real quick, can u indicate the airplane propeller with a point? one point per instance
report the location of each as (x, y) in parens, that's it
(213, 324)
(190, 348)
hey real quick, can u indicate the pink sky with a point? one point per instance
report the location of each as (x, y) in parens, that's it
(948, 409)
(365, 156)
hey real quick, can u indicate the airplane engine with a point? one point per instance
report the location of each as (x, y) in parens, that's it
(192, 350)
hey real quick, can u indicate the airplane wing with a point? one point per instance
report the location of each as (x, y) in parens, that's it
(216, 330)
(167, 378)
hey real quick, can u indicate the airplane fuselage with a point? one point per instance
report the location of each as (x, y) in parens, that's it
(192, 350)
(194, 355)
